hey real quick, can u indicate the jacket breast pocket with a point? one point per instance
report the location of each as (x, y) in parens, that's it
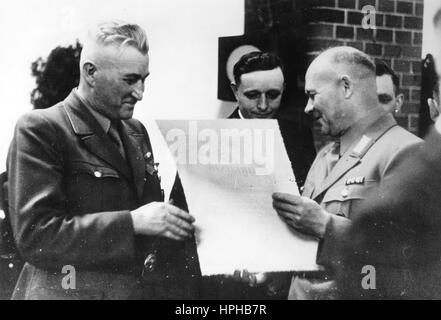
(344, 199)
(93, 187)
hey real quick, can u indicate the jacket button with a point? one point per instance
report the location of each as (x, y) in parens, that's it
(98, 174)
(148, 155)
(345, 193)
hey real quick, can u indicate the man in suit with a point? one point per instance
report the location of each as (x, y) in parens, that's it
(84, 194)
(369, 145)
(258, 87)
(388, 86)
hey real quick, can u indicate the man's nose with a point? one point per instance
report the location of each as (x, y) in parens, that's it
(309, 107)
(138, 90)
(263, 104)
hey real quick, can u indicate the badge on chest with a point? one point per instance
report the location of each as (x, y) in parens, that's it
(151, 167)
(355, 180)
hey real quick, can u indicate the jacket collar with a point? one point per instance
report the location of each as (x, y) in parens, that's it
(357, 151)
(92, 134)
(235, 114)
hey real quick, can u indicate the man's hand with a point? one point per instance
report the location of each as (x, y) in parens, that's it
(301, 213)
(252, 279)
(163, 219)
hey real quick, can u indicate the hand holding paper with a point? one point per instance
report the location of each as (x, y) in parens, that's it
(229, 169)
(252, 279)
(163, 219)
(301, 213)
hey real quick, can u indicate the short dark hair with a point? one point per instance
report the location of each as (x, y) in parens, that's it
(437, 17)
(383, 68)
(255, 61)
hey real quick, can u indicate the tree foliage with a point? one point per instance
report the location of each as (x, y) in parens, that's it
(55, 76)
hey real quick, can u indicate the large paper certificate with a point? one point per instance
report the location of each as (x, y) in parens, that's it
(229, 170)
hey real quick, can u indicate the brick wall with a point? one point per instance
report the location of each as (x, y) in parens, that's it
(397, 40)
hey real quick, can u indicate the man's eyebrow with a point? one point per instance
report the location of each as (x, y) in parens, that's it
(136, 75)
(251, 90)
(385, 95)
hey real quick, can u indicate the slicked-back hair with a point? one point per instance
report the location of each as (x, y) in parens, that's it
(255, 61)
(120, 34)
(383, 68)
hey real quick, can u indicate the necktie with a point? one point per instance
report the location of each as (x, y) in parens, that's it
(332, 156)
(116, 138)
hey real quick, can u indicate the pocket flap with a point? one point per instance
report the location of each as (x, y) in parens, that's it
(343, 192)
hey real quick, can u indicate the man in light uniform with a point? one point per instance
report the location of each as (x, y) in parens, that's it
(369, 144)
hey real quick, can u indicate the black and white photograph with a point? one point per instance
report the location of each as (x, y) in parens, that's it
(220, 154)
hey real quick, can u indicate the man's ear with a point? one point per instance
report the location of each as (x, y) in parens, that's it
(89, 72)
(234, 87)
(434, 108)
(348, 88)
(399, 102)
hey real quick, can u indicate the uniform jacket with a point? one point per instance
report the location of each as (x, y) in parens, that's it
(398, 232)
(70, 196)
(368, 164)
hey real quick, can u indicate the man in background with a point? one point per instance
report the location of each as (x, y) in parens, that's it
(258, 86)
(84, 193)
(340, 84)
(434, 102)
(388, 86)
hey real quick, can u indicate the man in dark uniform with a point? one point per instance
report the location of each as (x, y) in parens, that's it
(84, 193)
